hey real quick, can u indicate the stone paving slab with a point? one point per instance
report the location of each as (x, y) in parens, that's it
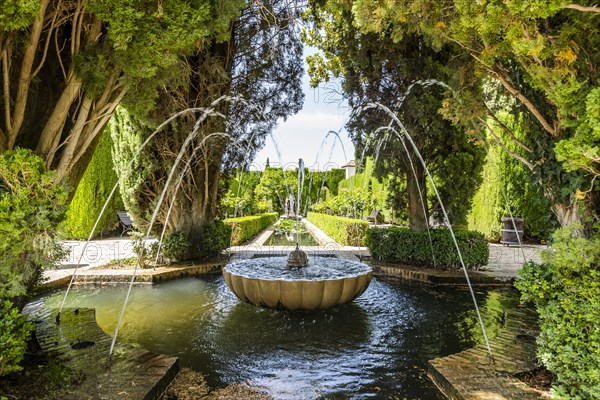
(132, 374)
(471, 374)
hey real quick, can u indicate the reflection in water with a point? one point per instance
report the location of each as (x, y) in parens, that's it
(289, 239)
(377, 346)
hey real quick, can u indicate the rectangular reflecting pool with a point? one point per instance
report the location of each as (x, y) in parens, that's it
(281, 238)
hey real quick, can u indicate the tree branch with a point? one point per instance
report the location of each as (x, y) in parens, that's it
(46, 46)
(505, 81)
(97, 130)
(594, 9)
(507, 130)
(523, 99)
(25, 75)
(59, 115)
(499, 143)
(6, 90)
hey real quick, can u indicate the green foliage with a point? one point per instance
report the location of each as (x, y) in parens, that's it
(17, 14)
(377, 68)
(147, 40)
(377, 192)
(348, 201)
(345, 231)
(508, 182)
(241, 194)
(91, 194)
(275, 185)
(582, 151)
(175, 246)
(244, 228)
(566, 291)
(213, 238)
(405, 246)
(289, 225)
(540, 55)
(14, 334)
(31, 207)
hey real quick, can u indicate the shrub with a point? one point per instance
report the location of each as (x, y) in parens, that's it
(31, 206)
(14, 334)
(345, 231)
(214, 238)
(91, 194)
(566, 291)
(175, 246)
(405, 246)
(244, 228)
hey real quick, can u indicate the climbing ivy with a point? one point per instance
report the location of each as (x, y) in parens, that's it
(507, 182)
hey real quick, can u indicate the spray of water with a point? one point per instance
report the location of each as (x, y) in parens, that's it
(205, 112)
(412, 167)
(404, 131)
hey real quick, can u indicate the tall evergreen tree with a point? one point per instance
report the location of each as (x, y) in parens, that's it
(376, 69)
(259, 62)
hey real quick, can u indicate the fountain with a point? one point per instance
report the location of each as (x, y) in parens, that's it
(325, 282)
(296, 282)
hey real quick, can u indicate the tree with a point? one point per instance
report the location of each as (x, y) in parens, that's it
(375, 69)
(66, 65)
(235, 91)
(539, 53)
(275, 186)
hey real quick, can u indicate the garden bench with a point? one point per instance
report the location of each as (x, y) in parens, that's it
(126, 222)
(373, 216)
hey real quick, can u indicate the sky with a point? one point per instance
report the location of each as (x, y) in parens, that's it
(303, 135)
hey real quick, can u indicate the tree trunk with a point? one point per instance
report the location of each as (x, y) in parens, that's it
(416, 190)
(45, 105)
(566, 214)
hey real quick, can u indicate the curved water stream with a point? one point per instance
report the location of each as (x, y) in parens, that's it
(376, 347)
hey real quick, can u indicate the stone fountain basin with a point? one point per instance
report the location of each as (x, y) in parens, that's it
(298, 294)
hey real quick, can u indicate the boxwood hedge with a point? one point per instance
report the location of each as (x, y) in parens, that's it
(345, 231)
(244, 228)
(405, 246)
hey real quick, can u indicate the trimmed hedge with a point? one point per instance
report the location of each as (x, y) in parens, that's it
(243, 228)
(405, 246)
(345, 231)
(91, 194)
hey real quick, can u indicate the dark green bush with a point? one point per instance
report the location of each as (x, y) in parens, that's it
(244, 228)
(345, 231)
(175, 246)
(14, 334)
(214, 239)
(566, 291)
(405, 246)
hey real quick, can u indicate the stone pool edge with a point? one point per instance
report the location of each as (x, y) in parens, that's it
(132, 373)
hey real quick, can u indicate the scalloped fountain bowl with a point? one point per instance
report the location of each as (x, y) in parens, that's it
(325, 283)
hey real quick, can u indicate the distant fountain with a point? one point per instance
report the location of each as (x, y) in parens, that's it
(295, 282)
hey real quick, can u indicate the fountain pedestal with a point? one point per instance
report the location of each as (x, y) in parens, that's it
(297, 258)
